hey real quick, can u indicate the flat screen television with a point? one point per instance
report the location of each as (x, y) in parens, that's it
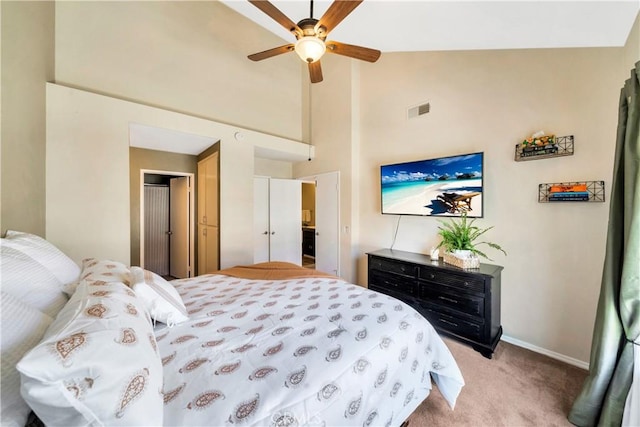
(444, 186)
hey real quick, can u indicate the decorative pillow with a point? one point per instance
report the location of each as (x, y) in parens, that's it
(35, 271)
(98, 363)
(22, 328)
(105, 270)
(160, 298)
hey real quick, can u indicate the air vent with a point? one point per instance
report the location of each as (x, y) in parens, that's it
(418, 110)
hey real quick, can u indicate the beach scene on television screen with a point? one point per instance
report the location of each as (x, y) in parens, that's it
(446, 186)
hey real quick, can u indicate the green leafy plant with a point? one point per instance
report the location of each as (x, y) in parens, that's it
(463, 235)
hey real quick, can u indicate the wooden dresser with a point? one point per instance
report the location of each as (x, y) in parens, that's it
(462, 304)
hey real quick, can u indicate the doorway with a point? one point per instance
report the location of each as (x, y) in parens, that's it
(321, 213)
(309, 224)
(166, 223)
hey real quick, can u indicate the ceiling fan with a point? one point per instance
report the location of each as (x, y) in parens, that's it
(311, 36)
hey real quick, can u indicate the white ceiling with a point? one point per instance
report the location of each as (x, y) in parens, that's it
(431, 25)
(173, 141)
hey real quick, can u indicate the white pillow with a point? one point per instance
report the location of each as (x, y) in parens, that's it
(35, 271)
(105, 270)
(98, 362)
(160, 298)
(22, 328)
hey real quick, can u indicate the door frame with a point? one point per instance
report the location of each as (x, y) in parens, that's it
(313, 179)
(192, 214)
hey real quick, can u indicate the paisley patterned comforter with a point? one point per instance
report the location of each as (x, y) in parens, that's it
(309, 351)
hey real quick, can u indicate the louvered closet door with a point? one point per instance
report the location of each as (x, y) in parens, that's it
(156, 225)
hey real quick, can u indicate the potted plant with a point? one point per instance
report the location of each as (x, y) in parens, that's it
(462, 235)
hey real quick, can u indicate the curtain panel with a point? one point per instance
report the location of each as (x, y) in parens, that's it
(616, 335)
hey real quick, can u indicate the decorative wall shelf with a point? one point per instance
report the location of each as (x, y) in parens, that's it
(562, 147)
(595, 190)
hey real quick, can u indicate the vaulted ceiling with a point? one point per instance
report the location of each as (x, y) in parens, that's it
(405, 26)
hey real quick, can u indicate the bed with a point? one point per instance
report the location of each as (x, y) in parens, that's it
(268, 344)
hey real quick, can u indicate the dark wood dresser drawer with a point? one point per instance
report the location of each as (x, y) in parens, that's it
(469, 305)
(389, 281)
(462, 282)
(398, 295)
(454, 325)
(403, 268)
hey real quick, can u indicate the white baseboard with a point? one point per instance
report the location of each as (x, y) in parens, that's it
(551, 354)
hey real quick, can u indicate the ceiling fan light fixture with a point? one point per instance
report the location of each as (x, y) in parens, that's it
(310, 48)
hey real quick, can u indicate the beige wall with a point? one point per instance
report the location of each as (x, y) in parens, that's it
(88, 202)
(139, 159)
(27, 64)
(632, 48)
(333, 104)
(185, 56)
(87, 175)
(486, 101)
(273, 168)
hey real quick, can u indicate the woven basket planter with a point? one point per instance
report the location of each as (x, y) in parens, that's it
(467, 262)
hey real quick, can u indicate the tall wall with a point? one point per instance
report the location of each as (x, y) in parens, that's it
(27, 64)
(334, 107)
(487, 101)
(88, 173)
(632, 48)
(185, 56)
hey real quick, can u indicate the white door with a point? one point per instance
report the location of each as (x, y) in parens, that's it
(179, 227)
(260, 220)
(328, 223)
(285, 204)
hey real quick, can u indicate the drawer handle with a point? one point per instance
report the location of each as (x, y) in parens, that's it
(467, 284)
(448, 323)
(432, 276)
(455, 301)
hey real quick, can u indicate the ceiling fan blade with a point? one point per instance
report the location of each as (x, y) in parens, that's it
(275, 14)
(271, 52)
(338, 10)
(358, 52)
(315, 72)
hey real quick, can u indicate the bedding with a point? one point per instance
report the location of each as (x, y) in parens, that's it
(300, 351)
(35, 271)
(22, 328)
(268, 344)
(98, 269)
(160, 298)
(98, 362)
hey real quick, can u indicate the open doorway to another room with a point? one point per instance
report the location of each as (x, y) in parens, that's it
(309, 224)
(166, 218)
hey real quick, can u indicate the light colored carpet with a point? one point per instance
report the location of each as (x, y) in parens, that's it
(518, 387)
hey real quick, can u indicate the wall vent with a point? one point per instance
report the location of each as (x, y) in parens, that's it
(418, 110)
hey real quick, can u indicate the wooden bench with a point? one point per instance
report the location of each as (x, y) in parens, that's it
(457, 202)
